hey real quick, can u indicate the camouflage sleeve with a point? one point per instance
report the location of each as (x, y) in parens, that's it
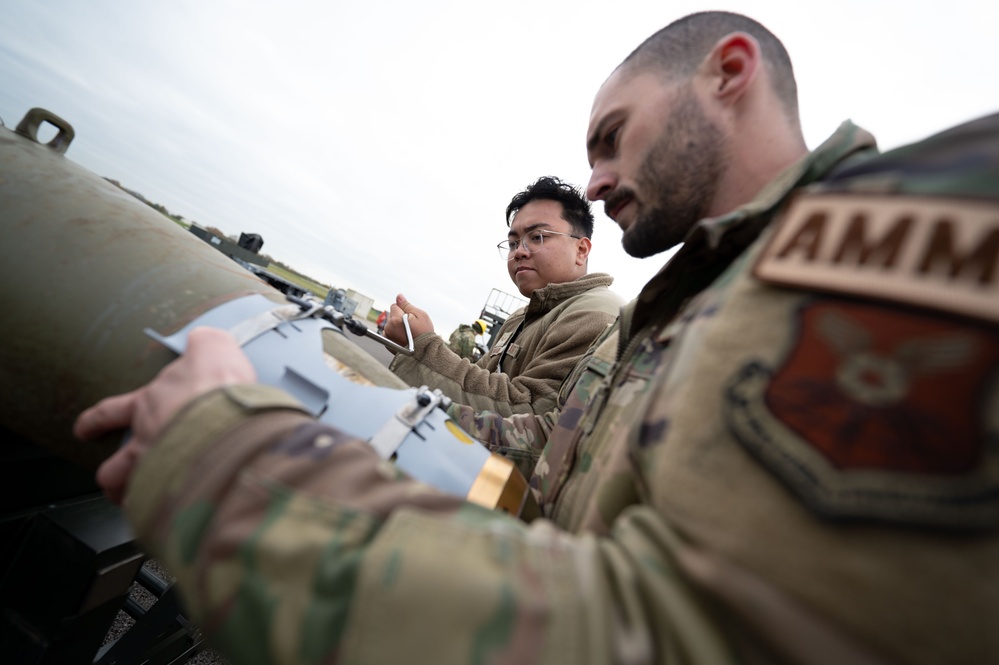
(293, 543)
(520, 437)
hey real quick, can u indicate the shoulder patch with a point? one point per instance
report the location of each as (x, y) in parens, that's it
(932, 252)
(875, 413)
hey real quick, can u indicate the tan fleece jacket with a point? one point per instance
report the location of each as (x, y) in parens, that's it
(538, 346)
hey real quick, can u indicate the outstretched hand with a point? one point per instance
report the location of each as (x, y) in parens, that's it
(213, 359)
(419, 321)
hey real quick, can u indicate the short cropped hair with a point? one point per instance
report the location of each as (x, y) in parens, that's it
(682, 45)
(575, 207)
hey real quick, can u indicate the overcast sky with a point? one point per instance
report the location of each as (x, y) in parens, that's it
(376, 145)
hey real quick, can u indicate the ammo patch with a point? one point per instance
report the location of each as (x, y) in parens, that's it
(932, 252)
(878, 414)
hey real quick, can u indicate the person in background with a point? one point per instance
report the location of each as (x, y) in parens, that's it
(462, 340)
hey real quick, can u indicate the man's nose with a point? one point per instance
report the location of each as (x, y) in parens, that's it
(602, 182)
(521, 249)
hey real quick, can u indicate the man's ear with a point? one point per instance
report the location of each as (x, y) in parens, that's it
(583, 251)
(733, 64)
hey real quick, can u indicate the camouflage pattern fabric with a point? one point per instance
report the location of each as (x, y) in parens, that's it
(462, 341)
(750, 468)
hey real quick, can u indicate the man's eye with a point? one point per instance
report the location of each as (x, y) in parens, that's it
(536, 237)
(611, 137)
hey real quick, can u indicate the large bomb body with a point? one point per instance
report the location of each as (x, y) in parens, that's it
(100, 291)
(85, 267)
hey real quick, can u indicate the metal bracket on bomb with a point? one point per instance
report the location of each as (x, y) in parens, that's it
(408, 426)
(343, 321)
(407, 419)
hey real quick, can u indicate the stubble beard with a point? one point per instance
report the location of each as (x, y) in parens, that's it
(678, 180)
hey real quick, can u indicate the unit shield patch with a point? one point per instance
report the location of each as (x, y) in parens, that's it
(877, 413)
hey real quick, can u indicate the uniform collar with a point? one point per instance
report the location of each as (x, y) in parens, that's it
(545, 298)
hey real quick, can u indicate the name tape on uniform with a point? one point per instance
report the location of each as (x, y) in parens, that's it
(932, 252)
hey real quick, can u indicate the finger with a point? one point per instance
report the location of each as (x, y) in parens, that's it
(204, 342)
(393, 324)
(405, 305)
(113, 474)
(109, 414)
(206, 335)
(218, 350)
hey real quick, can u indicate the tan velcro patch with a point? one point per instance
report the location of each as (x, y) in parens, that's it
(932, 252)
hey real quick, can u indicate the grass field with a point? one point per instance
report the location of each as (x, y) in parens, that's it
(317, 289)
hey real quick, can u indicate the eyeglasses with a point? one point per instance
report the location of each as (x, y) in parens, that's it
(532, 242)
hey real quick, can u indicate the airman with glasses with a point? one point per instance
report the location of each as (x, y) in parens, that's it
(546, 254)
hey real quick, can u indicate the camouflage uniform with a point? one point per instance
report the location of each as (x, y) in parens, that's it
(537, 346)
(780, 456)
(462, 341)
